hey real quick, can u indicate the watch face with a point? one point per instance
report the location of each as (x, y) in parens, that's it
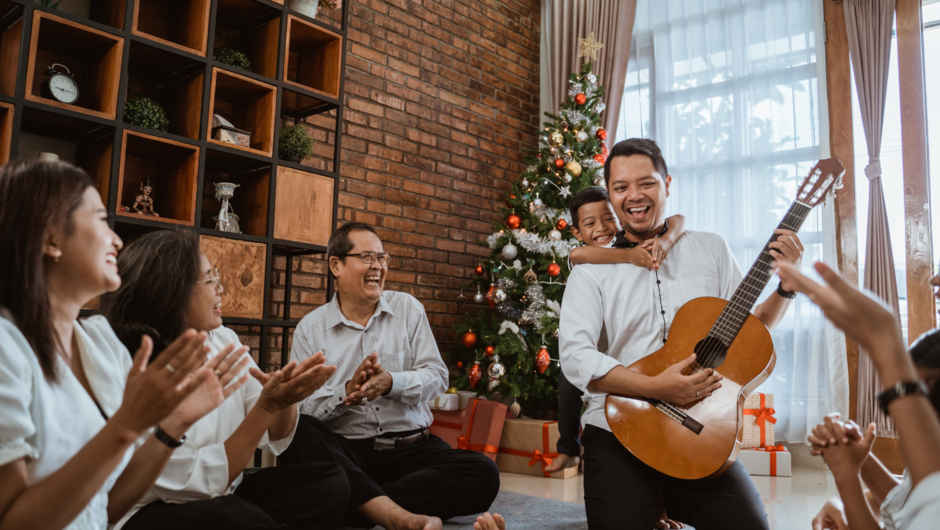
(64, 88)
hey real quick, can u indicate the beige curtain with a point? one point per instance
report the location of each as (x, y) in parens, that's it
(566, 21)
(869, 30)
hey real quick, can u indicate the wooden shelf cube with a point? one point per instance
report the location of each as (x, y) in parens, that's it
(107, 12)
(241, 267)
(251, 28)
(10, 38)
(6, 131)
(250, 202)
(173, 81)
(250, 105)
(314, 57)
(172, 168)
(182, 24)
(93, 57)
(83, 143)
(303, 206)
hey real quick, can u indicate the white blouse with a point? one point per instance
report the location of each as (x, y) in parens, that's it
(907, 507)
(199, 468)
(49, 423)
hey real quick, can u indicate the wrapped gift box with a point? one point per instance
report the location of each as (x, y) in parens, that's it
(446, 402)
(527, 446)
(773, 461)
(759, 420)
(476, 428)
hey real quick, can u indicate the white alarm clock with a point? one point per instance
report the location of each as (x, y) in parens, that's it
(60, 87)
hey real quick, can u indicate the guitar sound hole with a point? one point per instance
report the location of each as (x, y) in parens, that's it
(710, 352)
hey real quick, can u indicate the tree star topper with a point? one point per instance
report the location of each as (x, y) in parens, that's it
(589, 47)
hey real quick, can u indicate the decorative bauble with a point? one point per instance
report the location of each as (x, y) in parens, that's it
(499, 296)
(600, 107)
(513, 221)
(531, 277)
(469, 339)
(601, 134)
(461, 299)
(604, 150)
(511, 197)
(554, 269)
(598, 180)
(574, 168)
(489, 296)
(515, 409)
(559, 163)
(591, 78)
(490, 350)
(496, 369)
(542, 360)
(524, 183)
(492, 384)
(561, 224)
(478, 270)
(555, 333)
(475, 375)
(556, 138)
(537, 203)
(600, 159)
(580, 99)
(479, 298)
(459, 364)
(554, 235)
(510, 251)
(581, 136)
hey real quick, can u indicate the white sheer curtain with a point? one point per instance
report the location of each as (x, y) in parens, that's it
(729, 89)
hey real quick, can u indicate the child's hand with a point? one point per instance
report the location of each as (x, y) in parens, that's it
(845, 458)
(640, 257)
(657, 248)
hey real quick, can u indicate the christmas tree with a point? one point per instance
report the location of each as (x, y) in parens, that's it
(512, 348)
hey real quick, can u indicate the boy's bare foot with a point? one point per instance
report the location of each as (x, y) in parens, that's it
(490, 522)
(562, 462)
(384, 512)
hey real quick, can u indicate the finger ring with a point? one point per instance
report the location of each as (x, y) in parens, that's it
(363, 401)
(169, 368)
(696, 393)
(218, 373)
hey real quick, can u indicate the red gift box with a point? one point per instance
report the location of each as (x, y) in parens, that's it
(476, 428)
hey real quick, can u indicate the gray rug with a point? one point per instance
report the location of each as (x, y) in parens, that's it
(523, 512)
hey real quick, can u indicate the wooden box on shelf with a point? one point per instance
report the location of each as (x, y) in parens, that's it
(10, 48)
(303, 206)
(93, 58)
(6, 131)
(173, 81)
(248, 104)
(182, 24)
(241, 267)
(250, 201)
(252, 28)
(172, 168)
(314, 57)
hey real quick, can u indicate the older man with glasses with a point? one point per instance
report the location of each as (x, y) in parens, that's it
(372, 416)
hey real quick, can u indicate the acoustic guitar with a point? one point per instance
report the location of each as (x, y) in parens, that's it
(702, 439)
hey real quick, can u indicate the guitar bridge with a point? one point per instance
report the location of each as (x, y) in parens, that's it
(678, 416)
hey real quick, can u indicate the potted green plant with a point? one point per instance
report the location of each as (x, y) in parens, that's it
(233, 58)
(294, 144)
(146, 113)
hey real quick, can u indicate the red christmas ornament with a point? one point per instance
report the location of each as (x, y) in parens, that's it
(489, 297)
(604, 149)
(469, 339)
(475, 374)
(478, 270)
(513, 221)
(459, 364)
(539, 156)
(561, 224)
(490, 350)
(600, 159)
(511, 197)
(601, 134)
(554, 269)
(542, 360)
(580, 99)
(559, 163)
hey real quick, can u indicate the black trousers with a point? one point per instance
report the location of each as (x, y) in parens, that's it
(306, 496)
(427, 477)
(569, 417)
(621, 492)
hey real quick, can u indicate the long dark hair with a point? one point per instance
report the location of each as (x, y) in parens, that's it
(925, 352)
(159, 271)
(35, 198)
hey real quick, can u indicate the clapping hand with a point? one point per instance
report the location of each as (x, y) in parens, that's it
(378, 383)
(219, 382)
(841, 444)
(293, 383)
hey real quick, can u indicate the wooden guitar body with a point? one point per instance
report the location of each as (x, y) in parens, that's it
(660, 440)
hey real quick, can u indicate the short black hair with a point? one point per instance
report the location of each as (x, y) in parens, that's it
(585, 196)
(339, 243)
(637, 146)
(925, 352)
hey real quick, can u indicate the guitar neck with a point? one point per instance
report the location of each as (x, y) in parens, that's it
(739, 307)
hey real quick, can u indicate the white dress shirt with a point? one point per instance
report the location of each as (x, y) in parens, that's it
(624, 300)
(907, 507)
(400, 334)
(49, 423)
(199, 468)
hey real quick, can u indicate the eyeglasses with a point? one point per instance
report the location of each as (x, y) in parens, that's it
(368, 257)
(215, 278)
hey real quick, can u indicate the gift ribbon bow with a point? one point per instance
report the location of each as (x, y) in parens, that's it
(773, 450)
(762, 415)
(543, 456)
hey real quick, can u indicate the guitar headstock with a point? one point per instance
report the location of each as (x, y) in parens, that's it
(820, 181)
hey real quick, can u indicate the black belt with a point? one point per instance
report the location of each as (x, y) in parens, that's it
(384, 443)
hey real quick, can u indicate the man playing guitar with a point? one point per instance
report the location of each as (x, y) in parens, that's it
(637, 306)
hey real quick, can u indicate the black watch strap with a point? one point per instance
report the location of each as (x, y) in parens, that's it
(786, 294)
(899, 390)
(168, 440)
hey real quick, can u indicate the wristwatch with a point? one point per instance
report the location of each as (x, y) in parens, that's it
(168, 440)
(899, 390)
(786, 294)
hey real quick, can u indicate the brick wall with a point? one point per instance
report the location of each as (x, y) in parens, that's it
(441, 96)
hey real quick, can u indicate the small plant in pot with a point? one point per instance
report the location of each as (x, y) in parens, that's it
(294, 144)
(233, 58)
(146, 113)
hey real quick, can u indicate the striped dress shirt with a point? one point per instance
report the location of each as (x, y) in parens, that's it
(400, 334)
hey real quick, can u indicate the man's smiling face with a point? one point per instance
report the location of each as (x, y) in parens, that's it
(638, 194)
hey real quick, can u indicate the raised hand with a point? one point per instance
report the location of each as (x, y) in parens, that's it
(787, 249)
(842, 453)
(153, 392)
(293, 383)
(378, 384)
(362, 373)
(219, 382)
(673, 386)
